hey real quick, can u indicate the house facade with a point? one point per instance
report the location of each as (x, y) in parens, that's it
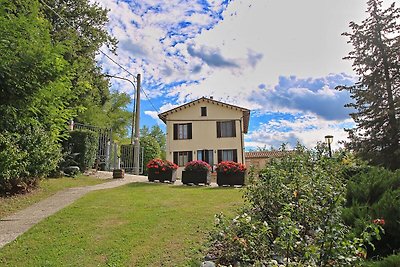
(260, 159)
(205, 129)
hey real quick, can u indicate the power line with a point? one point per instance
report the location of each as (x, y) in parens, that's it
(107, 56)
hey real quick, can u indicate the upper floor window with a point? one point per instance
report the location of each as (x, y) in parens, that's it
(203, 111)
(182, 131)
(226, 129)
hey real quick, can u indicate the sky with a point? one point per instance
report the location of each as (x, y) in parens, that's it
(282, 59)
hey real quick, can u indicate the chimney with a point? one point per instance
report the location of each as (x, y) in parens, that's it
(211, 97)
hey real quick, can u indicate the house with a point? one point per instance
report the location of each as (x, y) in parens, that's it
(205, 129)
(259, 159)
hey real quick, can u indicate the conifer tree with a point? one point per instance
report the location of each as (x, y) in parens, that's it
(376, 94)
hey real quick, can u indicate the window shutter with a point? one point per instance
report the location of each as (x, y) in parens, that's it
(218, 129)
(219, 156)
(189, 127)
(190, 155)
(234, 155)
(175, 131)
(176, 158)
(233, 128)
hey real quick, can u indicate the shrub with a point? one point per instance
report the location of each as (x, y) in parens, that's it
(197, 165)
(371, 194)
(230, 167)
(151, 149)
(25, 157)
(160, 165)
(83, 144)
(293, 218)
(389, 261)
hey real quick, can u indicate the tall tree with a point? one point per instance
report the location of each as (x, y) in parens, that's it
(376, 60)
(158, 134)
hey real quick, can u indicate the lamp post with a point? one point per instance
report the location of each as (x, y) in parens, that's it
(329, 140)
(135, 121)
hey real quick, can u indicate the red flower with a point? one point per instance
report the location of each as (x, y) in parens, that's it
(379, 221)
(230, 167)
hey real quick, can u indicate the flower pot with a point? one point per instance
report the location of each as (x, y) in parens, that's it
(196, 177)
(155, 175)
(236, 178)
(118, 173)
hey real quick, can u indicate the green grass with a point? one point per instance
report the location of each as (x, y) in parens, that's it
(48, 187)
(133, 225)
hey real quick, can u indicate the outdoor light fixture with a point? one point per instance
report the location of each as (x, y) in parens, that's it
(329, 140)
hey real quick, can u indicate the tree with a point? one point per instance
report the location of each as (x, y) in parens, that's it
(376, 43)
(151, 150)
(158, 134)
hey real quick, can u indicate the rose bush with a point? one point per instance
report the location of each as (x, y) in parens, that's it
(197, 165)
(230, 167)
(160, 165)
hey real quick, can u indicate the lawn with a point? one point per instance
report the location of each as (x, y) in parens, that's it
(134, 225)
(48, 187)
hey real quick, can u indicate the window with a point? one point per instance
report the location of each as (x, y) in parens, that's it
(226, 129)
(205, 155)
(182, 157)
(182, 131)
(203, 111)
(227, 155)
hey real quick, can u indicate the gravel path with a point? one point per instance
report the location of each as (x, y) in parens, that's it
(15, 225)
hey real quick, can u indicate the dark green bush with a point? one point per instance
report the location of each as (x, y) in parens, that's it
(375, 194)
(389, 261)
(25, 157)
(83, 144)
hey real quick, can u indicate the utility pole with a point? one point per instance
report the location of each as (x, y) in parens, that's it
(136, 146)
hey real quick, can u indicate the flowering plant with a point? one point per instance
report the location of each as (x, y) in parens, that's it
(161, 165)
(197, 165)
(230, 167)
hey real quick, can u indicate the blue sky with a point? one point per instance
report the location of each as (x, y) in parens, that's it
(280, 58)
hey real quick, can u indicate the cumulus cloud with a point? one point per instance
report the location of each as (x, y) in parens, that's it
(212, 57)
(306, 129)
(310, 95)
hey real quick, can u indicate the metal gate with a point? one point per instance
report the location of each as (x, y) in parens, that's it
(127, 158)
(105, 147)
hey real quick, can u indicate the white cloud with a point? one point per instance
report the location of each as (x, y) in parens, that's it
(307, 129)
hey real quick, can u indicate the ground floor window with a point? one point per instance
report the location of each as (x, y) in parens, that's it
(182, 157)
(206, 155)
(227, 155)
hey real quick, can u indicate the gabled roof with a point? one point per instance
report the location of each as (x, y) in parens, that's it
(246, 112)
(266, 154)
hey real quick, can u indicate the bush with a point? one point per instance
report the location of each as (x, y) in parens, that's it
(389, 261)
(151, 149)
(293, 218)
(230, 167)
(25, 157)
(160, 165)
(197, 165)
(375, 194)
(83, 144)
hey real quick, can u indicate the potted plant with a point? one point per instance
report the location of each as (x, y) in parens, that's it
(161, 170)
(230, 173)
(196, 172)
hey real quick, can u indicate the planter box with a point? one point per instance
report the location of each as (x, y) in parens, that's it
(118, 173)
(169, 175)
(196, 177)
(230, 178)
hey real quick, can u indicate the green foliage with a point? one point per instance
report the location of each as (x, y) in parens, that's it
(293, 217)
(84, 144)
(375, 194)
(375, 57)
(25, 157)
(151, 150)
(389, 261)
(158, 134)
